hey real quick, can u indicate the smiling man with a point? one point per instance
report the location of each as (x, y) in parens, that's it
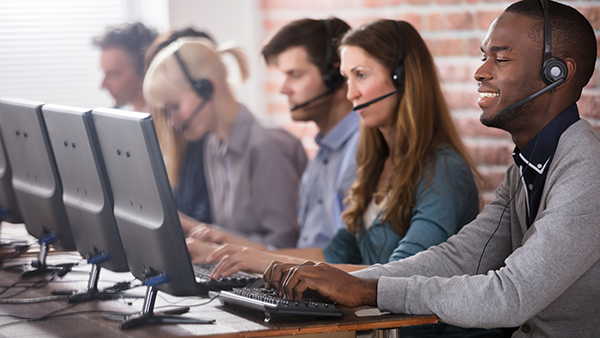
(532, 257)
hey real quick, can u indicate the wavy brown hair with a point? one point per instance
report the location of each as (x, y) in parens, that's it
(423, 126)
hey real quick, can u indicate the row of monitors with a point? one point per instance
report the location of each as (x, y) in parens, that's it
(96, 179)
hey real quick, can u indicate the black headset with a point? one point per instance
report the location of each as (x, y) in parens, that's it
(203, 87)
(553, 69)
(332, 76)
(398, 76)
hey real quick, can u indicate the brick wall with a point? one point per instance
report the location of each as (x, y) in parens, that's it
(453, 30)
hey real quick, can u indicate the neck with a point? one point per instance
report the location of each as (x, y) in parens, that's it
(388, 135)
(139, 104)
(340, 107)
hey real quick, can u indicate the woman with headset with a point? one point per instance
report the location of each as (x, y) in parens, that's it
(415, 185)
(252, 171)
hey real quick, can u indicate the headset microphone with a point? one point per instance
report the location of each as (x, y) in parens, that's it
(329, 92)
(529, 98)
(368, 103)
(185, 125)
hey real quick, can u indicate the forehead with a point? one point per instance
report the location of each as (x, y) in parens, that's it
(115, 56)
(511, 32)
(353, 56)
(293, 58)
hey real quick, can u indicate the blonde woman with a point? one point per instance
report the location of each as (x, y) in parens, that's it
(252, 171)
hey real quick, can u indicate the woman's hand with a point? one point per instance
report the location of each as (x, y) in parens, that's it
(200, 251)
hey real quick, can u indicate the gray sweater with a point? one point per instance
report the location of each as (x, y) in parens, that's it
(545, 279)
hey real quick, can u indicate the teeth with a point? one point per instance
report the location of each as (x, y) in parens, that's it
(488, 94)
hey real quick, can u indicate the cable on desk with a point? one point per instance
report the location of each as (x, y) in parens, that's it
(182, 300)
(36, 284)
(47, 316)
(32, 300)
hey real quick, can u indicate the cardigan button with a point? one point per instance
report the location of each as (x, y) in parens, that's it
(525, 328)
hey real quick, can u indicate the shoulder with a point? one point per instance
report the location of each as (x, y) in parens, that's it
(449, 162)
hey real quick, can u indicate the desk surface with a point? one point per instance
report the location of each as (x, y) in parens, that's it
(84, 319)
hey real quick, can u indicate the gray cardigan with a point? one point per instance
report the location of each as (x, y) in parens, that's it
(546, 278)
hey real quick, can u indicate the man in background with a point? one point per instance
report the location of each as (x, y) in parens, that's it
(122, 61)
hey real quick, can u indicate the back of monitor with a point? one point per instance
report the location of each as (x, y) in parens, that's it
(8, 199)
(143, 201)
(35, 177)
(86, 191)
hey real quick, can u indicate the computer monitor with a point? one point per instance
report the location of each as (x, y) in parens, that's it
(9, 208)
(145, 210)
(86, 192)
(35, 177)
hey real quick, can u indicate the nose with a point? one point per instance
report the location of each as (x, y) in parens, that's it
(483, 72)
(353, 93)
(285, 88)
(103, 85)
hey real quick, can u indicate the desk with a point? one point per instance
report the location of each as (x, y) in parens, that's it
(231, 321)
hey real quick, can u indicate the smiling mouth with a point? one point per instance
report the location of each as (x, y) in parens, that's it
(488, 95)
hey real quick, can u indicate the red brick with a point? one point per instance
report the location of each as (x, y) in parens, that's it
(452, 72)
(381, 3)
(485, 18)
(435, 22)
(416, 2)
(459, 21)
(474, 46)
(491, 154)
(444, 2)
(491, 179)
(446, 47)
(589, 105)
(472, 127)
(593, 83)
(411, 18)
(592, 13)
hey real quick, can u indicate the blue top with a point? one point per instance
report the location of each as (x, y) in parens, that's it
(191, 196)
(325, 183)
(537, 156)
(442, 207)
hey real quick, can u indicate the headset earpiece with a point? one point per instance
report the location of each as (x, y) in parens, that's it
(398, 75)
(203, 87)
(553, 68)
(332, 77)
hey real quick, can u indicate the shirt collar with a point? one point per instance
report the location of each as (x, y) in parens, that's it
(548, 141)
(240, 131)
(340, 133)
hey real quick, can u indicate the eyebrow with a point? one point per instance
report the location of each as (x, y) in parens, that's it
(496, 49)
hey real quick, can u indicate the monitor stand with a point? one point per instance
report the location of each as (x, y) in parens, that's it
(92, 287)
(40, 267)
(147, 316)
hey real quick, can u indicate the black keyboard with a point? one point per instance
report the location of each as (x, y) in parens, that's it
(237, 280)
(273, 305)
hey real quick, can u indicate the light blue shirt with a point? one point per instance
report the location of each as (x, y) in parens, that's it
(325, 183)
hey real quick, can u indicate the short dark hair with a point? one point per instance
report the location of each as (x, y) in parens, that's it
(311, 35)
(134, 38)
(572, 34)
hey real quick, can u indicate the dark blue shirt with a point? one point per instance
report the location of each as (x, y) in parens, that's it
(191, 196)
(534, 160)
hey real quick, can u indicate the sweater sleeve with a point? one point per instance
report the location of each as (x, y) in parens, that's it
(342, 249)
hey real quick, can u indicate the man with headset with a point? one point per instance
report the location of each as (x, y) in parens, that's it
(532, 257)
(122, 61)
(305, 51)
